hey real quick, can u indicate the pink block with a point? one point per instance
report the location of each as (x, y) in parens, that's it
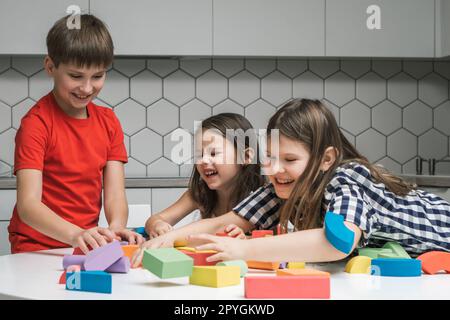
(74, 268)
(102, 258)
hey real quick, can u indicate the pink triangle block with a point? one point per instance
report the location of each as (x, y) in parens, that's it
(103, 257)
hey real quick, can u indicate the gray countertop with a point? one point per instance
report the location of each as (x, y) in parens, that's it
(420, 180)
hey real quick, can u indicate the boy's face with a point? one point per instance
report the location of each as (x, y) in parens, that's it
(75, 86)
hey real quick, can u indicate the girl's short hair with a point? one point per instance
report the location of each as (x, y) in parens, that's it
(249, 177)
(90, 45)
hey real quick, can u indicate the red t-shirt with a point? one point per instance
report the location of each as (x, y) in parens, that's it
(71, 153)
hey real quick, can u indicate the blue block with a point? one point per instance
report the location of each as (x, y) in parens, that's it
(91, 281)
(337, 232)
(141, 231)
(396, 267)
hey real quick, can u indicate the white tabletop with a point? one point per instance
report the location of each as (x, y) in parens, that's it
(35, 276)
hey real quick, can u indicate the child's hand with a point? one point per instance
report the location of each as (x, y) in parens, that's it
(159, 228)
(228, 248)
(128, 235)
(163, 241)
(94, 237)
(235, 232)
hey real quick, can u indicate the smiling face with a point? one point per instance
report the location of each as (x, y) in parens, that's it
(75, 86)
(287, 166)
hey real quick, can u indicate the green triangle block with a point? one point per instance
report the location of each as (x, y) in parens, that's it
(373, 253)
(397, 249)
(167, 263)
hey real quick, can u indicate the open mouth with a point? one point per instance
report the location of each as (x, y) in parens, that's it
(284, 182)
(210, 173)
(81, 97)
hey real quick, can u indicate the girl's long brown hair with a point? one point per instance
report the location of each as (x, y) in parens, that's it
(247, 180)
(312, 123)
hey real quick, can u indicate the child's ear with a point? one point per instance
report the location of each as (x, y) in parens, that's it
(49, 65)
(249, 156)
(329, 158)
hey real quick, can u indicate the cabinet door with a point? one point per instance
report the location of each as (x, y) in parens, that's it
(268, 27)
(393, 28)
(157, 27)
(442, 28)
(24, 24)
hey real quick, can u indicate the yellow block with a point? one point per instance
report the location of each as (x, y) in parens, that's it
(358, 264)
(296, 265)
(180, 243)
(186, 249)
(263, 265)
(301, 272)
(215, 276)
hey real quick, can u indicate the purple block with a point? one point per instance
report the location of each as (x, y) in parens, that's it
(123, 243)
(70, 260)
(103, 257)
(120, 266)
(283, 265)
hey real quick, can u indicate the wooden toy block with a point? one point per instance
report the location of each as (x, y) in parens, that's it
(215, 276)
(190, 249)
(124, 243)
(263, 265)
(295, 265)
(373, 253)
(240, 263)
(73, 268)
(435, 261)
(91, 281)
(129, 250)
(261, 233)
(283, 265)
(69, 260)
(294, 287)
(103, 257)
(358, 264)
(62, 278)
(120, 266)
(141, 231)
(167, 263)
(180, 243)
(337, 232)
(200, 257)
(302, 272)
(396, 267)
(78, 252)
(396, 249)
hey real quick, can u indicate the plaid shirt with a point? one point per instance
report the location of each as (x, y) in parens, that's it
(419, 221)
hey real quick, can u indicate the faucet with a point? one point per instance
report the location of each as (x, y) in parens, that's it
(432, 165)
(419, 164)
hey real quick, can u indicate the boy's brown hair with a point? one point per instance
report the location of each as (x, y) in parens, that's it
(90, 45)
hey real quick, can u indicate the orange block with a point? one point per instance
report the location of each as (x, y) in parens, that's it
(435, 261)
(296, 287)
(261, 233)
(129, 250)
(302, 272)
(263, 265)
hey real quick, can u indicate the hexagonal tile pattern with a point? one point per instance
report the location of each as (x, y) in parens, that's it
(409, 167)
(186, 170)
(40, 85)
(433, 144)
(163, 168)
(13, 87)
(228, 67)
(5, 170)
(134, 168)
(276, 88)
(372, 144)
(355, 68)
(402, 89)
(19, 110)
(417, 117)
(212, 88)
(417, 69)
(5, 63)
(442, 68)
(101, 103)
(116, 88)
(146, 87)
(355, 117)
(7, 150)
(386, 117)
(386, 68)
(292, 68)
(193, 111)
(162, 67)
(228, 106)
(390, 165)
(194, 66)
(334, 109)
(307, 85)
(442, 118)
(129, 67)
(5, 117)
(371, 89)
(260, 67)
(348, 136)
(162, 117)
(146, 146)
(340, 88)
(402, 146)
(433, 89)
(178, 146)
(259, 114)
(131, 115)
(324, 68)
(244, 88)
(28, 65)
(179, 88)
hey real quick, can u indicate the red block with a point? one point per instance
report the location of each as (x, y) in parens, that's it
(435, 261)
(295, 287)
(200, 258)
(62, 279)
(261, 233)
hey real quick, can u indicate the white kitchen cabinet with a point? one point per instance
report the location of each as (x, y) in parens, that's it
(442, 28)
(157, 27)
(24, 24)
(269, 27)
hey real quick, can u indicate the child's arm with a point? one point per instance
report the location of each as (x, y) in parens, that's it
(116, 206)
(162, 222)
(307, 246)
(37, 215)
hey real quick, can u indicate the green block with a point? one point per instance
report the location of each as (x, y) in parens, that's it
(167, 263)
(240, 263)
(390, 255)
(373, 253)
(397, 250)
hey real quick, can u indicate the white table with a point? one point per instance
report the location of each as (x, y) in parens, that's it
(35, 276)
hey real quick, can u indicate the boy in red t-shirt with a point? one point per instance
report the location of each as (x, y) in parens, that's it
(68, 148)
